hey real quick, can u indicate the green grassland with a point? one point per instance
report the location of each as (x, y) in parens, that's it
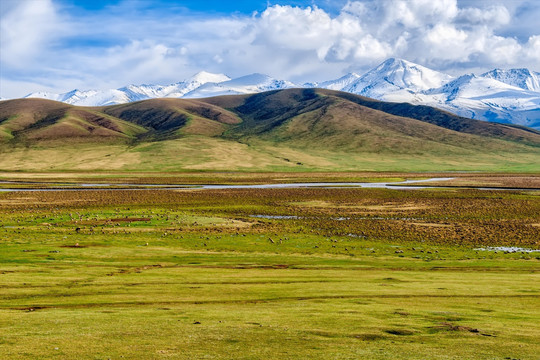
(269, 274)
(198, 153)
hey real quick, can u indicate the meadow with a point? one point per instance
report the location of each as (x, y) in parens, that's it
(318, 273)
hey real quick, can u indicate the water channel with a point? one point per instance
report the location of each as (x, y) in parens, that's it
(402, 185)
(104, 186)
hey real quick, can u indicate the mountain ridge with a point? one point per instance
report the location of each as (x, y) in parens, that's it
(507, 96)
(251, 112)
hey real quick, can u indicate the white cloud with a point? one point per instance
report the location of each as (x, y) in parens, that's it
(336, 39)
(417, 13)
(532, 49)
(446, 42)
(51, 46)
(503, 50)
(26, 29)
(294, 28)
(493, 16)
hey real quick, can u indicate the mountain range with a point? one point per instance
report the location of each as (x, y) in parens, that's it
(506, 96)
(289, 129)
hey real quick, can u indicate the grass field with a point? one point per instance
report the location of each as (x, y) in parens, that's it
(269, 274)
(199, 153)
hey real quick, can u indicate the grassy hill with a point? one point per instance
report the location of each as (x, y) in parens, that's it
(291, 130)
(33, 120)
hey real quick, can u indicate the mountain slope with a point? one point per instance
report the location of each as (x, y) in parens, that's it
(36, 119)
(339, 84)
(241, 116)
(449, 121)
(522, 78)
(396, 80)
(488, 99)
(249, 84)
(169, 118)
(365, 118)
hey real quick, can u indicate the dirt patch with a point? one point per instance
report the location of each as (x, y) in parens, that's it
(402, 313)
(316, 203)
(121, 229)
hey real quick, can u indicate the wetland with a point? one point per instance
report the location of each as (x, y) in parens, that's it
(290, 272)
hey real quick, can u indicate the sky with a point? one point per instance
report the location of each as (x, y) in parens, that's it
(61, 45)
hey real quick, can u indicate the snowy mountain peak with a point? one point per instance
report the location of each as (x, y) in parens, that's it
(251, 79)
(394, 63)
(339, 84)
(243, 85)
(400, 78)
(43, 95)
(522, 78)
(453, 88)
(459, 81)
(71, 97)
(407, 75)
(204, 77)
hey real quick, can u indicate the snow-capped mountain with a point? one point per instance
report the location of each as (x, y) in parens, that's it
(142, 92)
(338, 84)
(202, 84)
(510, 96)
(397, 80)
(522, 78)
(132, 93)
(515, 100)
(485, 98)
(253, 83)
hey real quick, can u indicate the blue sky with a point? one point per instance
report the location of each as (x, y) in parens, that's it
(59, 45)
(223, 7)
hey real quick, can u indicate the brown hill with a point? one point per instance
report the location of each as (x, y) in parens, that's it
(296, 118)
(170, 118)
(38, 119)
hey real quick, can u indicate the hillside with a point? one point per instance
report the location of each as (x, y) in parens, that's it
(294, 129)
(31, 120)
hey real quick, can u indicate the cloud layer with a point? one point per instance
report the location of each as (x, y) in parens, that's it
(50, 45)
